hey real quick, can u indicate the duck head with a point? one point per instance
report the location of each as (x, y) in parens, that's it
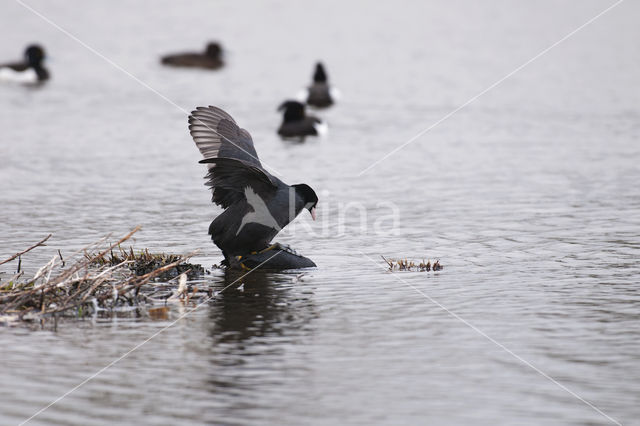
(34, 54)
(320, 75)
(213, 50)
(293, 111)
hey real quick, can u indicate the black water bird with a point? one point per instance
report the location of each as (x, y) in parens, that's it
(31, 70)
(257, 204)
(211, 58)
(296, 123)
(320, 94)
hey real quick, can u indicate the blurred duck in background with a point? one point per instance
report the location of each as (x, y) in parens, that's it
(29, 71)
(296, 123)
(211, 58)
(319, 94)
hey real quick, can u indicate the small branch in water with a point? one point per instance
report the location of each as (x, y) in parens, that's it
(41, 243)
(390, 263)
(409, 265)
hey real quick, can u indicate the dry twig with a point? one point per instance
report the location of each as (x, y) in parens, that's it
(41, 243)
(409, 265)
(89, 283)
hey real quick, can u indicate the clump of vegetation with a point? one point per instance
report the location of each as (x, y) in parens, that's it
(144, 263)
(95, 279)
(409, 265)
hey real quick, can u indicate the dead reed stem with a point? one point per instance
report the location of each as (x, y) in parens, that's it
(41, 243)
(89, 283)
(409, 265)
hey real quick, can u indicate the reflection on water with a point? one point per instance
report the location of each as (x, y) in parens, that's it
(258, 305)
(252, 325)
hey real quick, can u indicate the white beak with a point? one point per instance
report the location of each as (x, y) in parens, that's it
(313, 213)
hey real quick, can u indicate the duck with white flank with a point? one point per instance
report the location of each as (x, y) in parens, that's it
(29, 71)
(296, 123)
(211, 58)
(320, 94)
(257, 204)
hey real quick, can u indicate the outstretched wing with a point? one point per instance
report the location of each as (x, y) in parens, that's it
(230, 156)
(228, 179)
(217, 135)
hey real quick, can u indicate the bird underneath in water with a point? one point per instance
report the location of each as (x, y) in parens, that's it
(29, 71)
(257, 205)
(211, 58)
(320, 94)
(296, 123)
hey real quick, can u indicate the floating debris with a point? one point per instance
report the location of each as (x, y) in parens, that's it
(409, 265)
(145, 262)
(159, 313)
(96, 280)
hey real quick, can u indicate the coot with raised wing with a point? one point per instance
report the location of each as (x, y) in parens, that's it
(257, 204)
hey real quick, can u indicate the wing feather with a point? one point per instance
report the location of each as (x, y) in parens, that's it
(229, 154)
(216, 134)
(228, 179)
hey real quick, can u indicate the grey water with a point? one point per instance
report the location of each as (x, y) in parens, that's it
(528, 196)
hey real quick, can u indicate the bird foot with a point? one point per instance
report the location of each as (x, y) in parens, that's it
(280, 246)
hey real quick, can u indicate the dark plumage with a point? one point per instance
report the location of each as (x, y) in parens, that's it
(296, 123)
(31, 70)
(257, 204)
(211, 58)
(319, 93)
